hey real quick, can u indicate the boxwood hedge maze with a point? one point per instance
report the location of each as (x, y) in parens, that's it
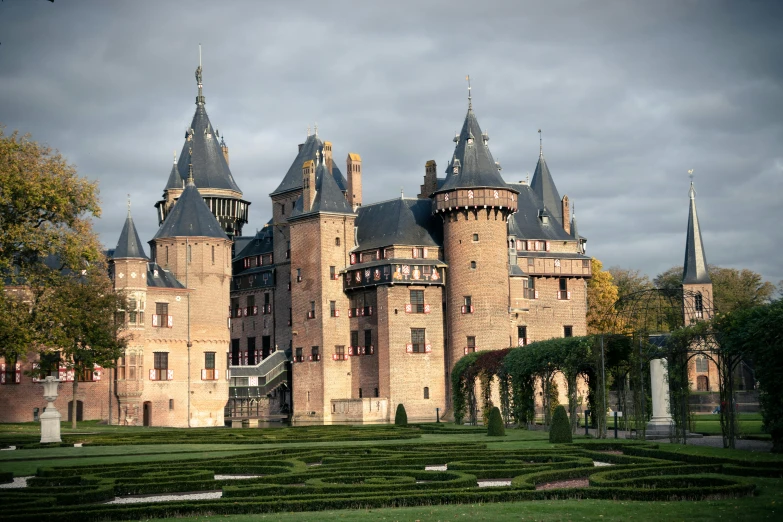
(288, 479)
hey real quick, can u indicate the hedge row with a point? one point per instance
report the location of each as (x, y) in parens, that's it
(363, 477)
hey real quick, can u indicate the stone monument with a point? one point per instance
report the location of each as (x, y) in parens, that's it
(660, 425)
(50, 418)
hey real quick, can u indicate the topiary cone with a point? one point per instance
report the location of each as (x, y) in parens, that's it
(401, 418)
(560, 432)
(495, 426)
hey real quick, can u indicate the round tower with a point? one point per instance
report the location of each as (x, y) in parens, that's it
(475, 203)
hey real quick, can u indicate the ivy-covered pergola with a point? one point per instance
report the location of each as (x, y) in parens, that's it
(643, 326)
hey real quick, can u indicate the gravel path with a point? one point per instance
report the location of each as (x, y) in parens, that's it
(19, 482)
(236, 477)
(207, 495)
(493, 483)
(565, 484)
(436, 468)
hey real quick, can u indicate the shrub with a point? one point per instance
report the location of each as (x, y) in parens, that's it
(560, 431)
(401, 418)
(496, 427)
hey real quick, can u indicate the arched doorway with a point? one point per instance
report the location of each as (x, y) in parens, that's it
(147, 413)
(79, 411)
(702, 383)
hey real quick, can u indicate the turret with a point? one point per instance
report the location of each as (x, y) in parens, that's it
(475, 203)
(208, 153)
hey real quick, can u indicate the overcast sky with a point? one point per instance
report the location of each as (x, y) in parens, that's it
(629, 95)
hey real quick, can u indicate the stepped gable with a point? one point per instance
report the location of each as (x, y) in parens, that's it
(159, 277)
(398, 222)
(328, 196)
(129, 245)
(476, 167)
(544, 187)
(293, 178)
(527, 222)
(695, 266)
(190, 216)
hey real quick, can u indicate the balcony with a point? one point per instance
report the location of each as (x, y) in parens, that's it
(467, 309)
(563, 295)
(210, 374)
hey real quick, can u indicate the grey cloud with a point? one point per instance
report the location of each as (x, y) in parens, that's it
(629, 95)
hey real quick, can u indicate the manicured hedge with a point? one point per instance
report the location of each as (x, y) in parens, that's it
(368, 477)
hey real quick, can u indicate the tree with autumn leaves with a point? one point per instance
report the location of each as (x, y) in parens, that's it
(55, 293)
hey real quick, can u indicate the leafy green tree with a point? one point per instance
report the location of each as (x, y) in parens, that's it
(400, 417)
(629, 281)
(601, 296)
(45, 228)
(83, 308)
(495, 426)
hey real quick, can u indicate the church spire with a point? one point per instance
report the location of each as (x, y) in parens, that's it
(695, 266)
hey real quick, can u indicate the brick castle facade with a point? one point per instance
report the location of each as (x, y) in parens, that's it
(336, 310)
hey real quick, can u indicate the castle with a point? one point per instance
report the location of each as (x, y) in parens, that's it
(335, 311)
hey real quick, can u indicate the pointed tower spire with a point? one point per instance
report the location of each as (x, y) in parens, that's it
(695, 266)
(470, 99)
(200, 100)
(544, 186)
(129, 244)
(540, 145)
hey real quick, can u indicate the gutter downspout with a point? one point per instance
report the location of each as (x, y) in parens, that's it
(187, 286)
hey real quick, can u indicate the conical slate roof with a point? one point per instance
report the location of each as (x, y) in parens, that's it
(328, 196)
(695, 266)
(474, 164)
(398, 222)
(129, 245)
(190, 216)
(175, 180)
(209, 165)
(544, 187)
(293, 178)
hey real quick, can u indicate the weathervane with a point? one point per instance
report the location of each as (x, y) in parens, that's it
(690, 174)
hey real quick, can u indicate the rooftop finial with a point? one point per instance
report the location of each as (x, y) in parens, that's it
(692, 191)
(308, 131)
(200, 98)
(470, 99)
(402, 194)
(129, 203)
(315, 129)
(190, 166)
(540, 145)
(175, 157)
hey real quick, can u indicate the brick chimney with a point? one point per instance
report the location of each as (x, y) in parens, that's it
(328, 155)
(430, 179)
(354, 174)
(566, 215)
(308, 185)
(224, 148)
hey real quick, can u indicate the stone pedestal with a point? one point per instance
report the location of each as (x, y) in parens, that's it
(50, 418)
(660, 424)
